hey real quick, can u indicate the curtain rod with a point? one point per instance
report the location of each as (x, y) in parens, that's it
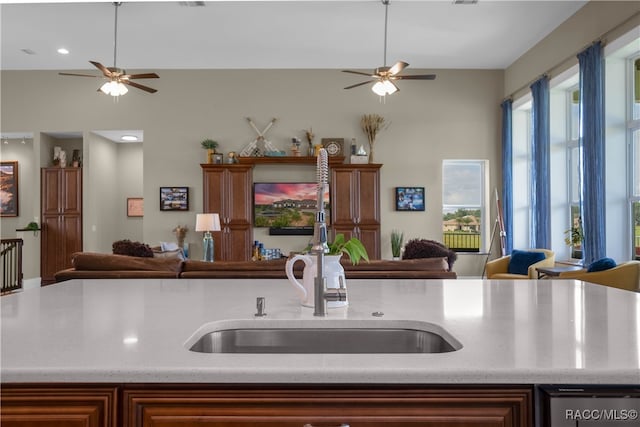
(548, 73)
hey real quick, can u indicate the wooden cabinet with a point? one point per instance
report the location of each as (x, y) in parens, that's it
(61, 204)
(323, 406)
(355, 204)
(227, 192)
(201, 405)
(25, 406)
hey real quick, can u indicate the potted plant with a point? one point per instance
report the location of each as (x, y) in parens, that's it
(574, 238)
(210, 145)
(352, 247)
(397, 238)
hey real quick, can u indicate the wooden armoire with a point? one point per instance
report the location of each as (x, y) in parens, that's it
(61, 204)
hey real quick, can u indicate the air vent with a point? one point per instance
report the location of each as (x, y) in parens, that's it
(191, 3)
(465, 1)
(28, 51)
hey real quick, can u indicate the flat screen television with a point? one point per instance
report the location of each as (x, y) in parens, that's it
(287, 207)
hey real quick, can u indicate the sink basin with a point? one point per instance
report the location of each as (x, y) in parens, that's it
(366, 337)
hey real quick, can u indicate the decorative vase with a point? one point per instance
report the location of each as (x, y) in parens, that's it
(210, 153)
(371, 151)
(334, 273)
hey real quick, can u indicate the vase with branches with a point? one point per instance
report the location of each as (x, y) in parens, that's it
(371, 125)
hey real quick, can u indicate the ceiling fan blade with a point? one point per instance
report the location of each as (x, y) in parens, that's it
(356, 85)
(102, 68)
(397, 67)
(139, 86)
(416, 77)
(141, 76)
(359, 73)
(78, 75)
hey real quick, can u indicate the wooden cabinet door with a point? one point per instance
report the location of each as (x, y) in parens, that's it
(238, 201)
(445, 407)
(59, 406)
(370, 237)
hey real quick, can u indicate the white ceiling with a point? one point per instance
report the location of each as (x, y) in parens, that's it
(330, 34)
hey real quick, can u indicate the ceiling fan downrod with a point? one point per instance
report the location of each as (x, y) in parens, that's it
(386, 20)
(117, 4)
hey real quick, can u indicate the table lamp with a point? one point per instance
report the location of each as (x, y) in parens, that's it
(207, 223)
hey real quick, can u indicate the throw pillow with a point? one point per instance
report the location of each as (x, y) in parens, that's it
(127, 247)
(601, 265)
(177, 253)
(521, 260)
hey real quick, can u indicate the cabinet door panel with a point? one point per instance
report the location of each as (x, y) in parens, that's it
(238, 243)
(368, 196)
(58, 407)
(72, 226)
(342, 197)
(50, 191)
(370, 238)
(213, 186)
(52, 236)
(238, 200)
(357, 408)
(71, 200)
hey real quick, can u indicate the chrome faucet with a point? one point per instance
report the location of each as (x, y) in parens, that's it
(320, 292)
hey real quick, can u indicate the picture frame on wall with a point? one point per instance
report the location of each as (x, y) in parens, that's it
(218, 158)
(410, 199)
(174, 198)
(135, 206)
(8, 189)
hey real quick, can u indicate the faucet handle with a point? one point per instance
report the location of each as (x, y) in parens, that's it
(260, 303)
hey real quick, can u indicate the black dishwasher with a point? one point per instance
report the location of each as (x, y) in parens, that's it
(588, 406)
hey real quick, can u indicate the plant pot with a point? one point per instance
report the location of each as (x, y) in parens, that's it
(210, 153)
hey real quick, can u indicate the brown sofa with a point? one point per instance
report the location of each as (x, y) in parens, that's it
(88, 265)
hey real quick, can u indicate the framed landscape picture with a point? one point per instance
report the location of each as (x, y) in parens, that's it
(8, 188)
(174, 198)
(409, 198)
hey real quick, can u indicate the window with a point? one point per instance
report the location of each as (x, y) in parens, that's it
(574, 174)
(634, 158)
(464, 208)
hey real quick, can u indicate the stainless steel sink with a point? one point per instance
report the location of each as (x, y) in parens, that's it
(343, 340)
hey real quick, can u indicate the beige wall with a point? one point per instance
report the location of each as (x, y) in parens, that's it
(557, 52)
(455, 116)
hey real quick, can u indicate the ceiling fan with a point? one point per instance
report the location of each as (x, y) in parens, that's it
(385, 76)
(118, 79)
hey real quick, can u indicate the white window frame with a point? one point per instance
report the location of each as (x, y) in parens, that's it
(486, 220)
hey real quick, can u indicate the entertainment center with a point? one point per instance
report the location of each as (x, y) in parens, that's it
(355, 202)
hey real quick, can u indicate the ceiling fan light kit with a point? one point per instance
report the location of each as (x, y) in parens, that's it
(118, 79)
(384, 76)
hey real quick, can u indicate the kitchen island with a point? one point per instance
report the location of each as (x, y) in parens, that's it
(131, 336)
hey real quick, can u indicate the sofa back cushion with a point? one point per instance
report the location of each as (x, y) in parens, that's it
(419, 264)
(271, 265)
(107, 262)
(601, 265)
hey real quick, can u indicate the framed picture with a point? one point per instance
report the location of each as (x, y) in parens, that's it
(218, 158)
(333, 146)
(9, 188)
(174, 198)
(409, 198)
(135, 206)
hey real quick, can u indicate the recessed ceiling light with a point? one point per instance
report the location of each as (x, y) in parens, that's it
(63, 51)
(128, 138)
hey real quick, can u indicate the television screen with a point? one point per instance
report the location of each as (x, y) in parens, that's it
(286, 205)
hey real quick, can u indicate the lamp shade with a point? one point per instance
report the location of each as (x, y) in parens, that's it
(208, 222)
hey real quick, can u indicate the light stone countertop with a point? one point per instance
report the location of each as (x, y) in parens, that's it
(134, 331)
